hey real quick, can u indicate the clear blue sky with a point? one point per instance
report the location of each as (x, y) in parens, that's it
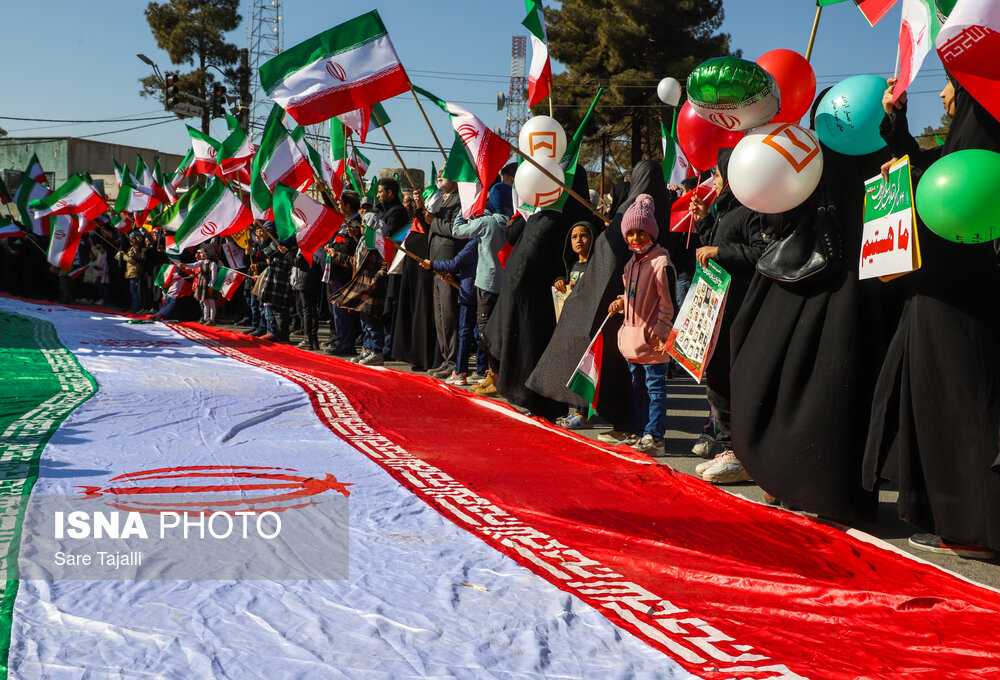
(72, 60)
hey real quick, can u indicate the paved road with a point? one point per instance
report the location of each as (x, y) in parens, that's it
(687, 412)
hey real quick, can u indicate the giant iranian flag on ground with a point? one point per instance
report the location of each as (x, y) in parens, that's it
(481, 543)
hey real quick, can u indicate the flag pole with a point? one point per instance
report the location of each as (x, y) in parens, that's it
(394, 149)
(328, 192)
(555, 179)
(812, 36)
(424, 114)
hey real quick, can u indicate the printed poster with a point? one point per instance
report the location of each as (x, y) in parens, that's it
(889, 246)
(696, 327)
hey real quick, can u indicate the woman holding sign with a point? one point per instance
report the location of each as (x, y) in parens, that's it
(937, 402)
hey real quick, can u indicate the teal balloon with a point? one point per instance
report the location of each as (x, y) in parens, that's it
(957, 196)
(848, 116)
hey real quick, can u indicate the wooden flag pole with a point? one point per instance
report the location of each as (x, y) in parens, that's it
(35, 243)
(426, 120)
(555, 179)
(812, 36)
(394, 150)
(328, 192)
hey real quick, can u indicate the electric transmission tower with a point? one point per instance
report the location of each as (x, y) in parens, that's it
(265, 37)
(517, 99)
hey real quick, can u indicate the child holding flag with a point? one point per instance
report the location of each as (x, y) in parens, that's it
(649, 313)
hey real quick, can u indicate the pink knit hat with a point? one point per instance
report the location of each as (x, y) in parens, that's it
(640, 216)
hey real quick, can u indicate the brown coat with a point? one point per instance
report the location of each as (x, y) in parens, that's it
(365, 292)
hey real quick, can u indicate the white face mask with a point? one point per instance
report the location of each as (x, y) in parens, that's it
(441, 183)
(644, 248)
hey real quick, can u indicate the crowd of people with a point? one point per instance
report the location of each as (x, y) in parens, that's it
(818, 391)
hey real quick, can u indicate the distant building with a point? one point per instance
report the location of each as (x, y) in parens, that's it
(64, 156)
(404, 184)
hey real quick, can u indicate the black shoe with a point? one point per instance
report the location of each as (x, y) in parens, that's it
(245, 321)
(257, 332)
(936, 544)
(335, 352)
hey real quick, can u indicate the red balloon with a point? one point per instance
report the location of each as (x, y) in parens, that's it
(796, 83)
(700, 140)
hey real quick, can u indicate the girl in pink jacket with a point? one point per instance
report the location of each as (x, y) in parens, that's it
(649, 314)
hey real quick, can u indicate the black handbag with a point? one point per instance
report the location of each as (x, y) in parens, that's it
(812, 250)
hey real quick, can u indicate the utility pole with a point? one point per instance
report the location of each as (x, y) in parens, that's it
(244, 89)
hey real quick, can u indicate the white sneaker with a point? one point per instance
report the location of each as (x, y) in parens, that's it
(365, 353)
(373, 359)
(475, 379)
(701, 467)
(646, 444)
(727, 470)
(457, 379)
(703, 447)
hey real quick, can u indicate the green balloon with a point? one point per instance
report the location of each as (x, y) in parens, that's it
(957, 196)
(728, 82)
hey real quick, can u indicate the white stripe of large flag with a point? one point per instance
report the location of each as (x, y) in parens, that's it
(348, 67)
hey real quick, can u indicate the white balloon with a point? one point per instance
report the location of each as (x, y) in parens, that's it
(542, 137)
(533, 187)
(775, 167)
(669, 91)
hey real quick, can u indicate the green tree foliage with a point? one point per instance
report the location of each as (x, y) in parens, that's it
(627, 46)
(928, 139)
(192, 32)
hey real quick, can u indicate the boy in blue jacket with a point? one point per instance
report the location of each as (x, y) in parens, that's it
(463, 266)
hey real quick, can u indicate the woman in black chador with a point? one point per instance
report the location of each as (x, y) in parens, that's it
(937, 402)
(805, 358)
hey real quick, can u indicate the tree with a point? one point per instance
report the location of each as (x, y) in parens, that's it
(191, 32)
(628, 46)
(929, 138)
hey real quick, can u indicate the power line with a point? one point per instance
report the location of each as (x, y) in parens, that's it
(98, 120)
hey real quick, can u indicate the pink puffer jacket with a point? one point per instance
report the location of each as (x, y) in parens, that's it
(649, 306)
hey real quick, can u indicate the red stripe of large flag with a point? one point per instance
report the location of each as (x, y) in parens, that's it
(312, 223)
(65, 241)
(279, 160)
(75, 197)
(348, 67)
(486, 152)
(540, 71)
(205, 153)
(217, 212)
(969, 47)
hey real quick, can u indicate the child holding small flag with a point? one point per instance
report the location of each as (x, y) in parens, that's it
(649, 313)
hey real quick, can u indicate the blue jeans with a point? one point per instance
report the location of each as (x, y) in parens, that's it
(133, 289)
(256, 314)
(373, 333)
(649, 391)
(683, 284)
(269, 319)
(467, 339)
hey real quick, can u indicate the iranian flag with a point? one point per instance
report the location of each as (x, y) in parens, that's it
(348, 67)
(166, 275)
(586, 378)
(918, 32)
(227, 281)
(172, 218)
(279, 160)
(485, 155)
(540, 71)
(162, 188)
(5, 195)
(365, 119)
(183, 170)
(236, 152)
(122, 222)
(79, 271)
(385, 245)
(969, 47)
(681, 219)
(873, 10)
(217, 212)
(35, 172)
(132, 198)
(10, 229)
(28, 192)
(205, 152)
(359, 162)
(64, 242)
(75, 197)
(676, 167)
(143, 179)
(311, 222)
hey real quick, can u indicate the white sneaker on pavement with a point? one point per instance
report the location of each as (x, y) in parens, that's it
(701, 467)
(727, 470)
(646, 444)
